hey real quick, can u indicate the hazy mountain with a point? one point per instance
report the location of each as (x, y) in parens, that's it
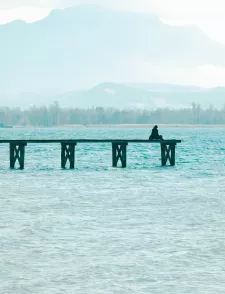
(143, 96)
(125, 96)
(85, 45)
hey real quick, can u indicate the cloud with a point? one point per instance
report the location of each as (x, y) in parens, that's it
(208, 15)
(206, 76)
(161, 6)
(28, 14)
(173, 9)
(13, 4)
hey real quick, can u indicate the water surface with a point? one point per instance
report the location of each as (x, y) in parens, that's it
(96, 229)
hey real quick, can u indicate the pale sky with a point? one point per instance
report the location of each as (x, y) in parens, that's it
(208, 15)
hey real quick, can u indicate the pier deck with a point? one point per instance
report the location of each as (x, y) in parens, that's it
(119, 149)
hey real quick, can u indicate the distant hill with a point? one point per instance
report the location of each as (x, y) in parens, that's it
(85, 45)
(124, 96)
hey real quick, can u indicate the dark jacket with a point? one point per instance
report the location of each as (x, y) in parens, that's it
(155, 134)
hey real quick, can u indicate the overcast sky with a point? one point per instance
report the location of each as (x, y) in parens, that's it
(209, 15)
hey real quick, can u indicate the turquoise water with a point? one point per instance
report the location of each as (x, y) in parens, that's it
(144, 229)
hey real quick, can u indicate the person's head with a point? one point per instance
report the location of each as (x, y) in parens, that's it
(155, 127)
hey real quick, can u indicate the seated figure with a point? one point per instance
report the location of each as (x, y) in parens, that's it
(155, 134)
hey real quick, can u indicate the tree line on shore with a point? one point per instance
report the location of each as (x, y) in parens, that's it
(54, 115)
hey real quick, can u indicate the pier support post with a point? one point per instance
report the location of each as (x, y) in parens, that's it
(17, 153)
(168, 153)
(68, 153)
(119, 152)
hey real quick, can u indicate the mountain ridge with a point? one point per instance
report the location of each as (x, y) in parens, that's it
(94, 45)
(124, 96)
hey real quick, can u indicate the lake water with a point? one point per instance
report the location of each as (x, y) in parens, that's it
(144, 229)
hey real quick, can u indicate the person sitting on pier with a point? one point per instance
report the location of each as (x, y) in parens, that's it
(155, 134)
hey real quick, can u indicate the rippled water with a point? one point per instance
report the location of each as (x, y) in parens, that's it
(144, 229)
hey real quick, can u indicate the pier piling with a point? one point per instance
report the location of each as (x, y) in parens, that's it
(119, 149)
(68, 153)
(168, 153)
(119, 153)
(17, 153)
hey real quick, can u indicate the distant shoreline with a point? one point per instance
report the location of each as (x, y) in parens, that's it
(128, 126)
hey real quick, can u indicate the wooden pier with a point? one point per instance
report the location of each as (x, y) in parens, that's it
(119, 150)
